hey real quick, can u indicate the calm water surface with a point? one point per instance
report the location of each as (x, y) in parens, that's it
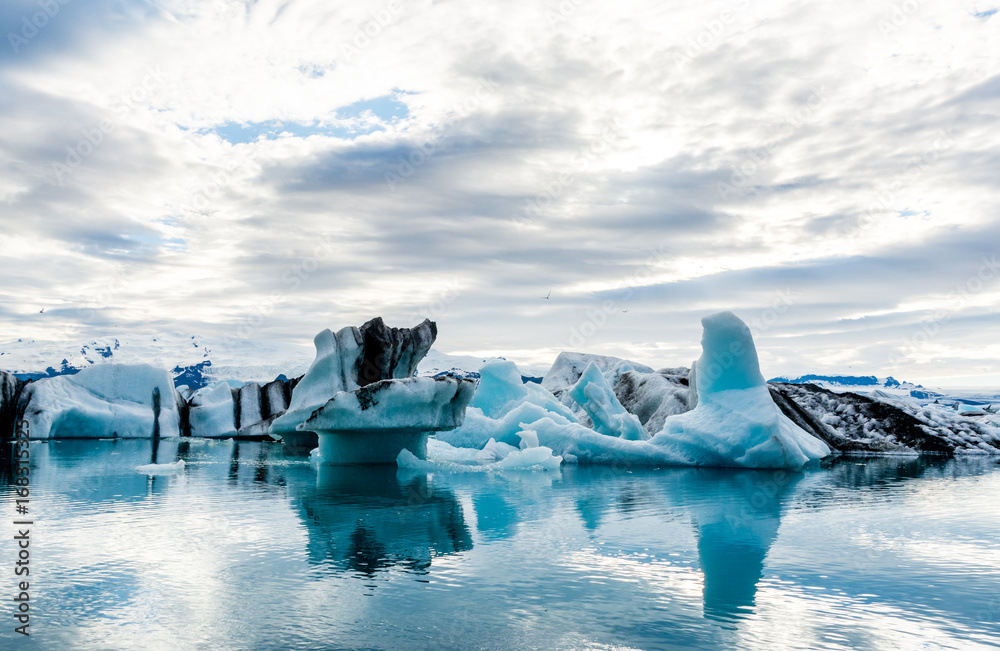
(248, 548)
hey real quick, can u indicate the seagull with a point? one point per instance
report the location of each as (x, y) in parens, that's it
(546, 297)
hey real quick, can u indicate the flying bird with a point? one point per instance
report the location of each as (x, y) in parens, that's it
(546, 297)
(41, 310)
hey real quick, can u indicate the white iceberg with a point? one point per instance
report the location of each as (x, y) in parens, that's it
(103, 401)
(333, 370)
(494, 457)
(650, 395)
(161, 468)
(346, 362)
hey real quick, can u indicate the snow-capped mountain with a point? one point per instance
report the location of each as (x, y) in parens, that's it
(193, 360)
(890, 387)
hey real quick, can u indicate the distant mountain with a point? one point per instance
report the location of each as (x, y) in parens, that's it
(849, 381)
(195, 361)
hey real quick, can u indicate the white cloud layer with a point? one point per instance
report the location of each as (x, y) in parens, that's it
(268, 169)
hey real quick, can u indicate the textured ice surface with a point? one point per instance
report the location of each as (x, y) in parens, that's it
(211, 412)
(594, 394)
(333, 370)
(350, 360)
(651, 395)
(420, 404)
(854, 423)
(109, 400)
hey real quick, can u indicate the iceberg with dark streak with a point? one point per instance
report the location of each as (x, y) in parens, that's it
(347, 360)
(104, 401)
(374, 423)
(360, 401)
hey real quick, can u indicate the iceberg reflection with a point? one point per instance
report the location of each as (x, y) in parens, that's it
(366, 519)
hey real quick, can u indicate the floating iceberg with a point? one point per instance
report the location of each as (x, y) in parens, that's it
(373, 423)
(346, 361)
(360, 401)
(107, 400)
(652, 396)
(735, 422)
(161, 468)
(551, 423)
(211, 412)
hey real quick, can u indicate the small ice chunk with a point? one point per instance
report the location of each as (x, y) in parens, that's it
(161, 468)
(531, 459)
(494, 451)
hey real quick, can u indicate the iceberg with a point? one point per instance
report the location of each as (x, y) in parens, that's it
(547, 421)
(346, 361)
(594, 394)
(652, 396)
(107, 400)
(735, 422)
(161, 468)
(212, 412)
(360, 402)
(494, 457)
(372, 424)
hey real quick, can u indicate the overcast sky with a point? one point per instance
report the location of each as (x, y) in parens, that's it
(264, 170)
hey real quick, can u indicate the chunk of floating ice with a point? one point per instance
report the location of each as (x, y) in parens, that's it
(735, 422)
(161, 468)
(493, 451)
(540, 458)
(107, 400)
(494, 457)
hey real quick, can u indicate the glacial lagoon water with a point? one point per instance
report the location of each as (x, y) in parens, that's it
(250, 548)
